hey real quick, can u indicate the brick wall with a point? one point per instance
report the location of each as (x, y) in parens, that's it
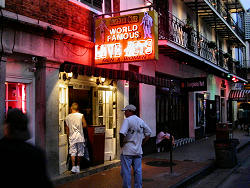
(61, 13)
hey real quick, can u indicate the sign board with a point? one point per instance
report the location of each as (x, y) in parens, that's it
(126, 38)
(196, 84)
(99, 130)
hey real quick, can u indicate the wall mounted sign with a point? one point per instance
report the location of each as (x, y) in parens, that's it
(126, 38)
(196, 84)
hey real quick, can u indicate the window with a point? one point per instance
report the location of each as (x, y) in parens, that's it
(15, 96)
(93, 3)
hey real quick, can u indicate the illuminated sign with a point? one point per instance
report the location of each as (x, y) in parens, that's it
(127, 38)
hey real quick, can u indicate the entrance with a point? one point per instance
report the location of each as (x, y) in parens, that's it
(211, 116)
(171, 112)
(97, 103)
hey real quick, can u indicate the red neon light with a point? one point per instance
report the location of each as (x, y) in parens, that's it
(126, 38)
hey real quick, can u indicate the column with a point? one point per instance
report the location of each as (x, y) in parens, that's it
(3, 61)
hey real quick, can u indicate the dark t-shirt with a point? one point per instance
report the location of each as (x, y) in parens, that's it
(22, 165)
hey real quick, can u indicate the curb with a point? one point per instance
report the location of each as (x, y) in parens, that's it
(205, 171)
(86, 172)
(195, 176)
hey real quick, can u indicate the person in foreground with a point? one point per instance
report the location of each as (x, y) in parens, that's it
(22, 164)
(134, 133)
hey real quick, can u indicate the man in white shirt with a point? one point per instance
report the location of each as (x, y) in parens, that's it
(133, 133)
(75, 122)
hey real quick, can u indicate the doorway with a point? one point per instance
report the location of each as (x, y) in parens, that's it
(171, 113)
(211, 116)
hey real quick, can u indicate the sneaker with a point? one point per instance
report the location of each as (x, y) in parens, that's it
(77, 169)
(74, 169)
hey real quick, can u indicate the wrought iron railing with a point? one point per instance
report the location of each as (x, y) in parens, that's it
(175, 30)
(225, 13)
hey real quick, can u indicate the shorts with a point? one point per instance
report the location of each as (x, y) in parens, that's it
(77, 149)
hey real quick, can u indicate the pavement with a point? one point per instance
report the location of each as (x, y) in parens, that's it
(192, 162)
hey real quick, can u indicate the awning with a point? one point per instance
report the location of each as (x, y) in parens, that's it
(78, 69)
(239, 95)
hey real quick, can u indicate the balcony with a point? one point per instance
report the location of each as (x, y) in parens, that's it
(187, 45)
(216, 13)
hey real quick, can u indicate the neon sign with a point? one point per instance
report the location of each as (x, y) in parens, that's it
(127, 38)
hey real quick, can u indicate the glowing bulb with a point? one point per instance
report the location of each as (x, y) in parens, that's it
(102, 80)
(70, 74)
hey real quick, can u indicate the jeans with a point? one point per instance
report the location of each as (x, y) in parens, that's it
(126, 162)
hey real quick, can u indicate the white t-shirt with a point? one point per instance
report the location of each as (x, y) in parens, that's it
(161, 136)
(74, 122)
(134, 129)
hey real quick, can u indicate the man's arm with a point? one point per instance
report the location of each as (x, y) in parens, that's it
(145, 139)
(147, 132)
(66, 129)
(84, 123)
(122, 140)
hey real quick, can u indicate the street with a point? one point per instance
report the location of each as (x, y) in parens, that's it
(238, 177)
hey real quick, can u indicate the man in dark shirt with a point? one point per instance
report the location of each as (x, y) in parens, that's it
(21, 164)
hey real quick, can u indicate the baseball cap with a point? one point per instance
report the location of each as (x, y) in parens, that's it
(129, 107)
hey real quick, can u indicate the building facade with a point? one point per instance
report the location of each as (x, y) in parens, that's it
(48, 62)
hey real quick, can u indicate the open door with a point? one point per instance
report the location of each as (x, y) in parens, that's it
(63, 143)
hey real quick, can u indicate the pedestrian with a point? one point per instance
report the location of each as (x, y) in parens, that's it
(75, 122)
(134, 133)
(163, 141)
(22, 164)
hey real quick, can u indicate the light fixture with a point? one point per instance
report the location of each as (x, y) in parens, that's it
(228, 75)
(102, 80)
(98, 81)
(147, 2)
(126, 84)
(112, 83)
(69, 75)
(245, 83)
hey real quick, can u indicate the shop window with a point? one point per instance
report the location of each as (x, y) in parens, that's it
(200, 110)
(106, 113)
(15, 96)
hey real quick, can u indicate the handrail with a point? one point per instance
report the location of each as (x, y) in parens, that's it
(175, 30)
(221, 9)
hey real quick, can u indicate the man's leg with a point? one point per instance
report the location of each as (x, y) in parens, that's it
(137, 171)
(126, 162)
(72, 151)
(73, 160)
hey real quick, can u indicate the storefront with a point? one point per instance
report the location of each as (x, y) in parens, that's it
(96, 97)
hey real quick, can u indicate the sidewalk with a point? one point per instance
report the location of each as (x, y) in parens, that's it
(191, 161)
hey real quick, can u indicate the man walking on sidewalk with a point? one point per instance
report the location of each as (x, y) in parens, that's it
(75, 122)
(133, 133)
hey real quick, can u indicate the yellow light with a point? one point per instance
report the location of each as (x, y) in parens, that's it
(70, 75)
(102, 80)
